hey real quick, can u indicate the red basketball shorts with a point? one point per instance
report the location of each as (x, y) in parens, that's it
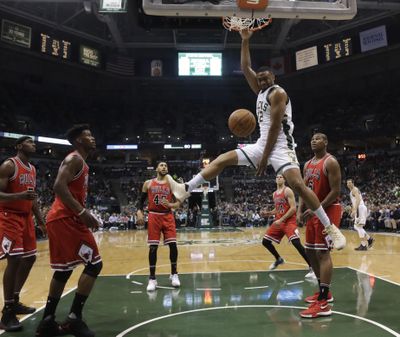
(315, 239)
(161, 223)
(276, 233)
(17, 234)
(71, 243)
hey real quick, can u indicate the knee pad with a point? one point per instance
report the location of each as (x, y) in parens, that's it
(296, 243)
(153, 248)
(172, 245)
(266, 243)
(30, 259)
(93, 270)
(62, 276)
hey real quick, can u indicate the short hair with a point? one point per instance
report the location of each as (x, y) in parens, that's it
(161, 161)
(20, 140)
(350, 179)
(264, 68)
(73, 133)
(323, 135)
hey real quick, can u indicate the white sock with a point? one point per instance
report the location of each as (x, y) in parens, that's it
(196, 181)
(359, 231)
(320, 213)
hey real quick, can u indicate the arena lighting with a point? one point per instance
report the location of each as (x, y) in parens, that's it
(122, 147)
(50, 140)
(182, 146)
(39, 139)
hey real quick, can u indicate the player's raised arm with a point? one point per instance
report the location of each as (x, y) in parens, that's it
(245, 61)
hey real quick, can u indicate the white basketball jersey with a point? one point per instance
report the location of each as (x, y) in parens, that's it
(263, 110)
(353, 198)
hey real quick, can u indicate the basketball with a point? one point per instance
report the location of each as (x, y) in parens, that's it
(242, 123)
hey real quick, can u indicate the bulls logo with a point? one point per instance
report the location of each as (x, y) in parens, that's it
(6, 245)
(86, 253)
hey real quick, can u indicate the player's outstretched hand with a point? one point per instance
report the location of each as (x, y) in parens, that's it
(89, 220)
(246, 34)
(140, 218)
(26, 195)
(166, 203)
(262, 167)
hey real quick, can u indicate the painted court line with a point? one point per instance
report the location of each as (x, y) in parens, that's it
(261, 287)
(136, 292)
(297, 282)
(211, 289)
(169, 288)
(220, 261)
(38, 309)
(379, 277)
(138, 283)
(236, 307)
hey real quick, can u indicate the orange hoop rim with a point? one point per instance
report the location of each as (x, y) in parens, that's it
(252, 24)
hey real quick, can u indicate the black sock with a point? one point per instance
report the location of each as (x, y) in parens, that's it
(51, 306)
(77, 305)
(16, 297)
(323, 291)
(297, 244)
(268, 244)
(8, 304)
(153, 261)
(173, 256)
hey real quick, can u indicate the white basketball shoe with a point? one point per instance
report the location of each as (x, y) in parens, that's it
(338, 239)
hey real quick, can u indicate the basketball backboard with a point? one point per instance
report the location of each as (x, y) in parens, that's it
(301, 9)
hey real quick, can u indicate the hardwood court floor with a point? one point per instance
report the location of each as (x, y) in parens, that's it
(231, 261)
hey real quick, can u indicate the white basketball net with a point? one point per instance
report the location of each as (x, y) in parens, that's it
(238, 24)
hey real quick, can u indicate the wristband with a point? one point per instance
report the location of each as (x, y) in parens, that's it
(82, 211)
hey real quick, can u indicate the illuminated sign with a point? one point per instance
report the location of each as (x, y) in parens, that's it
(16, 34)
(55, 47)
(373, 38)
(306, 58)
(89, 56)
(122, 147)
(112, 6)
(182, 146)
(337, 50)
(361, 156)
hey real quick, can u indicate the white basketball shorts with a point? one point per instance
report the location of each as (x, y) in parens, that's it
(361, 218)
(281, 158)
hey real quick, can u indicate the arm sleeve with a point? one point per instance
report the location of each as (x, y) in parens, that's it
(141, 201)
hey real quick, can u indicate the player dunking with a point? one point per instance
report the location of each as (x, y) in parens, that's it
(275, 146)
(71, 242)
(18, 200)
(322, 175)
(359, 213)
(160, 220)
(284, 224)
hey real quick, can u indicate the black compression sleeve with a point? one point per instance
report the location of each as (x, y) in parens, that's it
(142, 199)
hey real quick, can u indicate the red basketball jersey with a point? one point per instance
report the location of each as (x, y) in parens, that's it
(156, 193)
(282, 205)
(24, 178)
(316, 176)
(78, 188)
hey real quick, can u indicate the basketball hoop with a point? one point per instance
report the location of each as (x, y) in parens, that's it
(238, 24)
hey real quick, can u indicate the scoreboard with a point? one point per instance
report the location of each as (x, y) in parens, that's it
(55, 47)
(89, 56)
(16, 33)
